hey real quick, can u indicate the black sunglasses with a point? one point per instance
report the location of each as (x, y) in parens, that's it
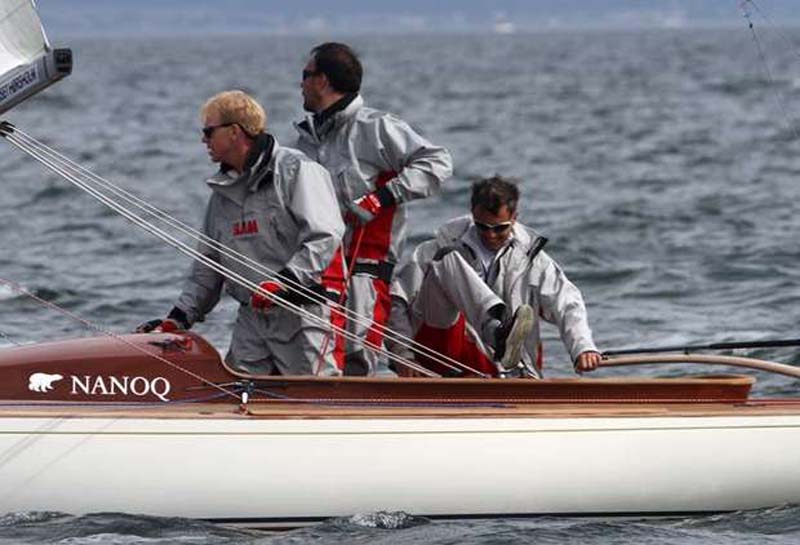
(308, 73)
(497, 228)
(208, 132)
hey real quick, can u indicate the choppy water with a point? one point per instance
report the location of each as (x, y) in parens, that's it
(663, 166)
(776, 525)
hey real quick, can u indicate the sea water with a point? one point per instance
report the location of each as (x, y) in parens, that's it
(662, 165)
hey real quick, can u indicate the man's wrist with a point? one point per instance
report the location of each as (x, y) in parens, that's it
(178, 316)
(385, 196)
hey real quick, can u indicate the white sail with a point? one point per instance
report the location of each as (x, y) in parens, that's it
(27, 64)
(21, 37)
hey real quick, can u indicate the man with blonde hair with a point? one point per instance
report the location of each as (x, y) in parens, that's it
(278, 208)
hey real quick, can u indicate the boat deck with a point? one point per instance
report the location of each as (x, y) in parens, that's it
(345, 410)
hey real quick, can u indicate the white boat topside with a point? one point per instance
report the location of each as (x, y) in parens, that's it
(287, 464)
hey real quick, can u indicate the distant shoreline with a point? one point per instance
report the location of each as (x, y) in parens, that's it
(60, 34)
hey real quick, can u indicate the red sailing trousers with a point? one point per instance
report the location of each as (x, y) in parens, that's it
(454, 343)
(369, 243)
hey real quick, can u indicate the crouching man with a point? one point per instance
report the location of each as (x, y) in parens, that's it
(276, 207)
(473, 292)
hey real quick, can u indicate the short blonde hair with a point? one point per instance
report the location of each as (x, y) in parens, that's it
(237, 107)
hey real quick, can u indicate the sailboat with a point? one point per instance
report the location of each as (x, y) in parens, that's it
(158, 424)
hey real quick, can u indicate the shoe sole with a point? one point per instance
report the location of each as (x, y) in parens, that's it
(523, 324)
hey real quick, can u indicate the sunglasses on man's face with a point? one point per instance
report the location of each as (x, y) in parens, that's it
(208, 132)
(308, 73)
(497, 228)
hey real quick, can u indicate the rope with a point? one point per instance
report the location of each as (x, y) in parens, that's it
(70, 171)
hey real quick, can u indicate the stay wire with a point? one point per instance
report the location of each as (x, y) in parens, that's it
(766, 18)
(779, 99)
(8, 339)
(181, 246)
(172, 241)
(364, 321)
(61, 165)
(169, 220)
(11, 133)
(19, 289)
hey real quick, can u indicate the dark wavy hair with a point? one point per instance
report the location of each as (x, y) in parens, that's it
(493, 193)
(340, 65)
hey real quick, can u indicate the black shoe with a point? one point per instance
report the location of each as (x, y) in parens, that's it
(510, 338)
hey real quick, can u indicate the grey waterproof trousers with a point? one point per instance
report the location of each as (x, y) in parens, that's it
(281, 341)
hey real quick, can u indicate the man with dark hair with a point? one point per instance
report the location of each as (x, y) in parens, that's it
(339, 63)
(378, 163)
(494, 193)
(472, 292)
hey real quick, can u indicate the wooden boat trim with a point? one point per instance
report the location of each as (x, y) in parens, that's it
(187, 368)
(443, 391)
(340, 411)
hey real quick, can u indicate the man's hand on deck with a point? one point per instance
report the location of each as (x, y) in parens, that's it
(587, 361)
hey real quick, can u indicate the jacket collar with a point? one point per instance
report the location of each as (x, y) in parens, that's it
(322, 124)
(259, 168)
(340, 105)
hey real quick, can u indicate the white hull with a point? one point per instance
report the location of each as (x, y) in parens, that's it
(288, 471)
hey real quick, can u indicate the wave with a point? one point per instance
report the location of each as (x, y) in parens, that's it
(7, 293)
(47, 527)
(30, 517)
(386, 520)
(781, 520)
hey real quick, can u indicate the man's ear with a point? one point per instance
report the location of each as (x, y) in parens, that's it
(239, 132)
(326, 84)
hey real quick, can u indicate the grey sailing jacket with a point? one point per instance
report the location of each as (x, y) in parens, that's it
(524, 274)
(358, 143)
(282, 213)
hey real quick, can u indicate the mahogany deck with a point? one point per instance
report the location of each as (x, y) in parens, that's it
(282, 410)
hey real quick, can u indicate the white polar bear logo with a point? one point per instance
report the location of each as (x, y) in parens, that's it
(42, 382)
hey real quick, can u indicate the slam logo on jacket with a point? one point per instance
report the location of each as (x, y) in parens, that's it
(249, 227)
(104, 386)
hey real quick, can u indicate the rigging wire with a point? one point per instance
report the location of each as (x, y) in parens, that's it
(744, 6)
(8, 339)
(28, 142)
(181, 246)
(19, 289)
(71, 171)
